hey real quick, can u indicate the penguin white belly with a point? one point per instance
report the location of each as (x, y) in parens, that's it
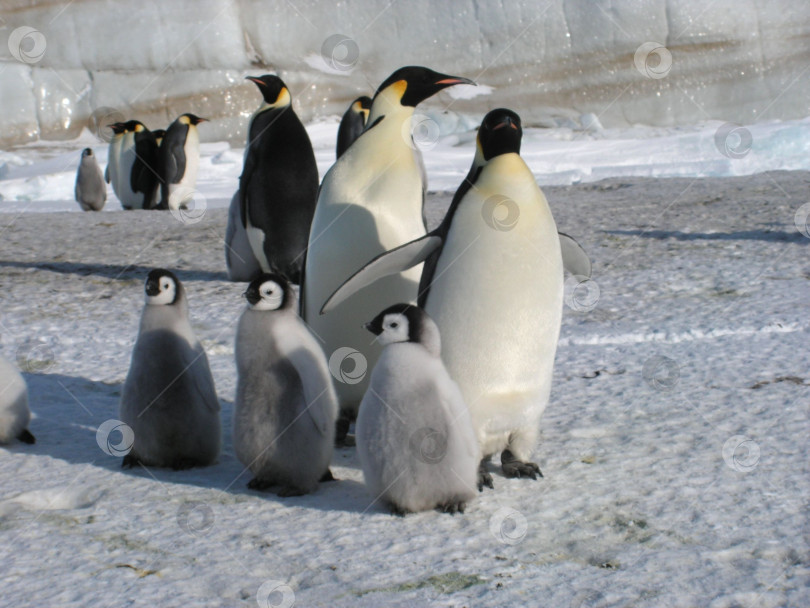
(183, 191)
(369, 202)
(497, 300)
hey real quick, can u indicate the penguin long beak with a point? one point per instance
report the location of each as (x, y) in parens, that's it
(507, 121)
(449, 81)
(256, 80)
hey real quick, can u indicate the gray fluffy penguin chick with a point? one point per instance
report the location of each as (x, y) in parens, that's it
(90, 190)
(415, 438)
(14, 412)
(239, 258)
(169, 399)
(286, 406)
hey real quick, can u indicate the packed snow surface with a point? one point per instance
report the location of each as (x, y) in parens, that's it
(674, 447)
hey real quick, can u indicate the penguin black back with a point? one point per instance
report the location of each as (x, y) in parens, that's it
(279, 183)
(144, 177)
(352, 124)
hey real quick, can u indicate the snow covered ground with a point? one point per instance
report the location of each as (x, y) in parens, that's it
(675, 446)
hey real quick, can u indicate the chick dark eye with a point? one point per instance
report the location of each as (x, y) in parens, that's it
(394, 325)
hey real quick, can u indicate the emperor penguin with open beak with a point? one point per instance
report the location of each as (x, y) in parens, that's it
(370, 201)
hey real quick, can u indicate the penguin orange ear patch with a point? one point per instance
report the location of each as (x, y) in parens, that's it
(399, 87)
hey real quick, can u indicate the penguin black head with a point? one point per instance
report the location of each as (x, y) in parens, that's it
(190, 119)
(118, 127)
(273, 89)
(87, 152)
(162, 287)
(500, 133)
(404, 323)
(414, 84)
(159, 134)
(134, 125)
(269, 292)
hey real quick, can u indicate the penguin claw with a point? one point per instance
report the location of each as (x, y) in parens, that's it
(129, 461)
(453, 507)
(327, 476)
(289, 491)
(398, 511)
(260, 485)
(512, 467)
(26, 437)
(484, 478)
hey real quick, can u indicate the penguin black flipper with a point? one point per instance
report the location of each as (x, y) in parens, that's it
(387, 263)
(26, 437)
(575, 260)
(244, 181)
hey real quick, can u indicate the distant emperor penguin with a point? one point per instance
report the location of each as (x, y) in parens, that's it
(169, 399)
(114, 156)
(352, 124)
(178, 160)
(90, 189)
(138, 176)
(415, 439)
(493, 283)
(14, 412)
(370, 201)
(285, 409)
(279, 182)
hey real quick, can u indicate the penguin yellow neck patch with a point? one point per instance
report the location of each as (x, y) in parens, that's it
(283, 98)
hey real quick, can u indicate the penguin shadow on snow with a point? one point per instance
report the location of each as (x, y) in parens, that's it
(772, 236)
(66, 411)
(122, 272)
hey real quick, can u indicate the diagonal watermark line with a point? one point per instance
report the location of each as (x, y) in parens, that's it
(76, 399)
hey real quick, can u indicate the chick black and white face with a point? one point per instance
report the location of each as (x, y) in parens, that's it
(87, 152)
(395, 328)
(266, 293)
(161, 288)
(397, 323)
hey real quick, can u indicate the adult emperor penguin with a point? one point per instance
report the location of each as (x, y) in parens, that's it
(370, 201)
(493, 283)
(138, 176)
(14, 412)
(178, 160)
(90, 190)
(114, 156)
(279, 182)
(285, 409)
(352, 124)
(239, 259)
(169, 399)
(415, 439)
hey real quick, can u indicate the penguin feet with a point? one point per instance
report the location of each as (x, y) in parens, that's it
(342, 437)
(130, 461)
(260, 485)
(397, 510)
(452, 507)
(327, 477)
(288, 491)
(26, 437)
(512, 467)
(484, 478)
(182, 464)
